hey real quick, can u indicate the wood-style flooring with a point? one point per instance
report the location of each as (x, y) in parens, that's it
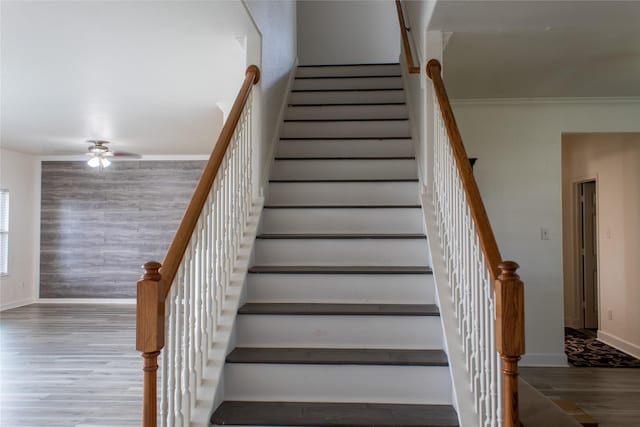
(610, 395)
(69, 365)
(76, 365)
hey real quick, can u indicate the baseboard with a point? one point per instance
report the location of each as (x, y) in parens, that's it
(619, 343)
(276, 136)
(544, 359)
(16, 304)
(86, 301)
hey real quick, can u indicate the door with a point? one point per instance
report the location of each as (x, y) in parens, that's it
(589, 253)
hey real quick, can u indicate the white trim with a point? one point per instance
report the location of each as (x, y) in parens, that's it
(264, 179)
(568, 100)
(462, 397)
(16, 304)
(86, 301)
(143, 158)
(619, 343)
(544, 359)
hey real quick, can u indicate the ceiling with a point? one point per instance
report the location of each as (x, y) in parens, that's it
(148, 76)
(529, 49)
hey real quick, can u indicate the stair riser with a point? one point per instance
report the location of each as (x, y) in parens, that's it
(331, 383)
(347, 194)
(351, 70)
(357, 252)
(350, 97)
(348, 112)
(348, 83)
(350, 129)
(339, 331)
(341, 288)
(345, 148)
(334, 221)
(344, 169)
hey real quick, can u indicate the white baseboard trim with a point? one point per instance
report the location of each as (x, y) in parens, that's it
(86, 301)
(544, 359)
(281, 115)
(619, 343)
(16, 304)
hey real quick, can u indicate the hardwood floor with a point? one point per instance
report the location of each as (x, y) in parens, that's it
(76, 365)
(69, 365)
(609, 395)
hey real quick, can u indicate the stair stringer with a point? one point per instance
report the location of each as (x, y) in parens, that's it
(210, 393)
(461, 387)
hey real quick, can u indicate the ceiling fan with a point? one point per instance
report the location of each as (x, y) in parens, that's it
(99, 154)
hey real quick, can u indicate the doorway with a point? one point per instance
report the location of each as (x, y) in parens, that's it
(587, 247)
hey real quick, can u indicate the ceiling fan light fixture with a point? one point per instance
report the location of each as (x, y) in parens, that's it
(105, 162)
(94, 162)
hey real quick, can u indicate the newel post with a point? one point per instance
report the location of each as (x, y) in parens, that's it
(150, 335)
(510, 336)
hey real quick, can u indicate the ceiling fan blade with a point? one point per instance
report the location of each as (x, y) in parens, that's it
(121, 154)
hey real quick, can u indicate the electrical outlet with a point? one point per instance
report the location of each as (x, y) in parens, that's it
(544, 233)
(610, 314)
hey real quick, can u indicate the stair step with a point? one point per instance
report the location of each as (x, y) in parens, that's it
(371, 148)
(331, 169)
(339, 251)
(340, 309)
(342, 236)
(347, 97)
(339, 269)
(363, 111)
(338, 356)
(342, 221)
(348, 70)
(333, 414)
(346, 194)
(341, 288)
(347, 82)
(393, 128)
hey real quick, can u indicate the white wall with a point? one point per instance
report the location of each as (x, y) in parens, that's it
(19, 173)
(518, 146)
(614, 159)
(348, 32)
(276, 21)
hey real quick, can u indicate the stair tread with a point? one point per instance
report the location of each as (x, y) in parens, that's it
(328, 104)
(342, 207)
(345, 158)
(404, 119)
(346, 180)
(321, 269)
(338, 356)
(340, 236)
(333, 414)
(339, 309)
(363, 76)
(364, 64)
(382, 89)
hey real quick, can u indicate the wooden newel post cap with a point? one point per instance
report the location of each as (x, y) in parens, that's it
(508, 270)
(433, 63)
(151, 271)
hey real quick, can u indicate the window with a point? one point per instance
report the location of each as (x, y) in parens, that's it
(4, 232)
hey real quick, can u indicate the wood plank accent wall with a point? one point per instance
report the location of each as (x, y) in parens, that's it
(98, 227)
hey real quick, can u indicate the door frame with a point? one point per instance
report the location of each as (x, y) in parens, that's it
(578, 290)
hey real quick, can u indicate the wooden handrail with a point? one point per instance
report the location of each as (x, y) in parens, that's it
(413, 68)
(478, 212)
(155, 284)
(190, 219)
(509, 289)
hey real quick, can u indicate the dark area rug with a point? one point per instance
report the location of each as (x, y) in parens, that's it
(584, 350)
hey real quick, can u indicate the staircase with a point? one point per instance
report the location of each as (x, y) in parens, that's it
(340, 326)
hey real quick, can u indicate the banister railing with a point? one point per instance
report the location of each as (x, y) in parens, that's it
(413, 67)
(179, 302)
(486, 292)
